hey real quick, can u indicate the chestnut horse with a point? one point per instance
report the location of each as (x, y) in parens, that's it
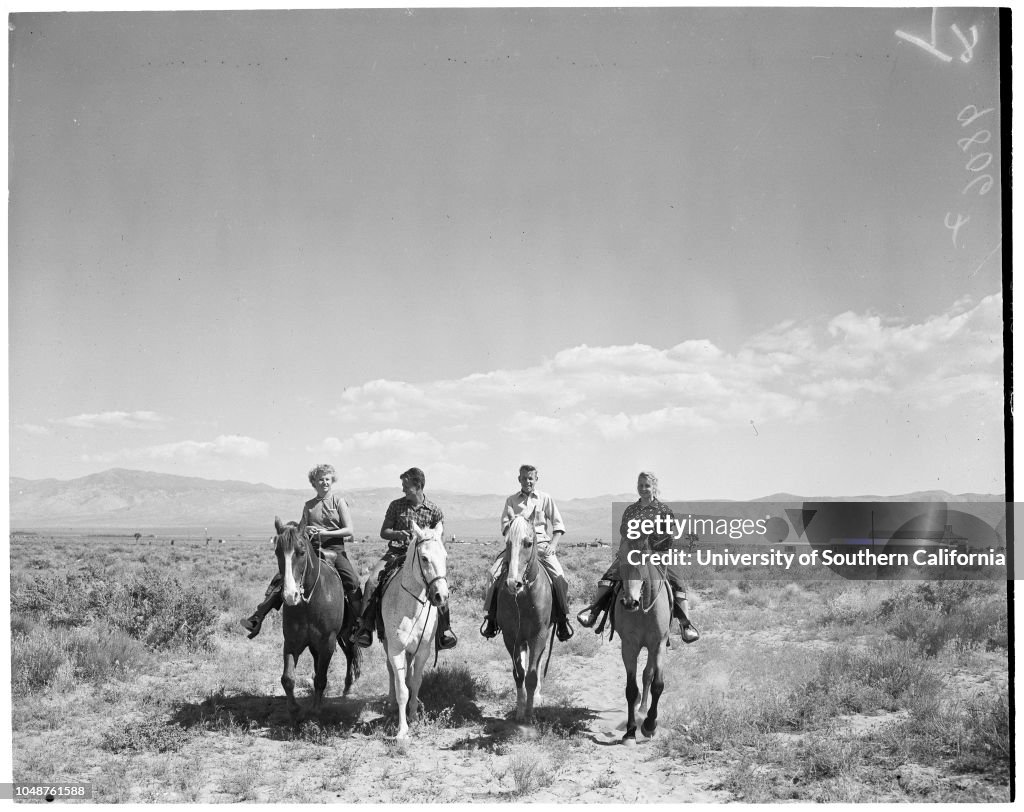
(524, 613)
(312, 615)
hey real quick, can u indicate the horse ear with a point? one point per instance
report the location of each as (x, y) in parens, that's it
(278, 525)
(416, 529)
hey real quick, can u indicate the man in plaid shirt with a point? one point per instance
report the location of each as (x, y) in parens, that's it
(397, 532)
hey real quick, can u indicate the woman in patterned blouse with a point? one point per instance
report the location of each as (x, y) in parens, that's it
(646, 507)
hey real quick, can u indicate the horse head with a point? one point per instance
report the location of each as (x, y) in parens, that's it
(636, 570)
(293, 552)
(431, 561)
(521, 542)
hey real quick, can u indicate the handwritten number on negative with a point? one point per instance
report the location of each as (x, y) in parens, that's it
(930, 45)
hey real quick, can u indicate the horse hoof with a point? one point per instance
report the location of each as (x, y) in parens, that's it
(648, 732)
(629, 741)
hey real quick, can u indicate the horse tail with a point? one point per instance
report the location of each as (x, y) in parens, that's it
(356, 658)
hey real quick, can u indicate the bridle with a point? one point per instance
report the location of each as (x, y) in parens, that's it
(423, 576)
(647, 581)
(310, 553)
(531, 565)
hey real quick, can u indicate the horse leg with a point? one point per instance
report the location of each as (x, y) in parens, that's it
(392, 701)
(399, 668)
(288, 681)
(657, 686)
(351, 663)
(536, 652)
(322, 664)
(647, 675)
(518, 655)
(414, 679)
(630, 653)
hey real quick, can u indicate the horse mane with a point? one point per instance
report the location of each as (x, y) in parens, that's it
(516, 521)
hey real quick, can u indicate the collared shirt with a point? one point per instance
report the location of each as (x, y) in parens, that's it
(325, 513)
(402, 513)
(546, 518)
(639, 512)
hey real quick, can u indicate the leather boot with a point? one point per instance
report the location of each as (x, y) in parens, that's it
(560, 608)
(353, 611)
(490, 628)
(588, 617)
(444, 638)
(271, 600)
(680, 609)
(362, 634)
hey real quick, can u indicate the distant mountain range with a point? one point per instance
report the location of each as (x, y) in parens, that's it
(141, 500)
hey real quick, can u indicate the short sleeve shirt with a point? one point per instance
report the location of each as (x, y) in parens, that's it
(325, 513)
(402, 513)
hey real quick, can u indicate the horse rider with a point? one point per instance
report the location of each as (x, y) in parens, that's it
(541, 511)
(329, 525)
(397, 532)
(646, 507)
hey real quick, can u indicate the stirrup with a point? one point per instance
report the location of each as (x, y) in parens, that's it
(688, 632)
(252, 624)
(362, 636)
(563, 630)
(588, 617)
(489, 628)
(447, 640)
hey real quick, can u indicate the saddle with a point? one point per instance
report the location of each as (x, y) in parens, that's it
(391, 568)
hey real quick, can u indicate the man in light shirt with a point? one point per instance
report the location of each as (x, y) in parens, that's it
(538, 507)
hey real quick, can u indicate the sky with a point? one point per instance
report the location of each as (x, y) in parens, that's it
(754, 250)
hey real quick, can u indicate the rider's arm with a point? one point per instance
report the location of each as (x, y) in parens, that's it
(557, 525)
(388, 532)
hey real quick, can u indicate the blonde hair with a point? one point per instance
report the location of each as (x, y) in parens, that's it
(320, 470)
(653, 479)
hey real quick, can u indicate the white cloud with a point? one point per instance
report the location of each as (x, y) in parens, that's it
(32, 428)
(119, 420)
(226, 446)
(791, 372)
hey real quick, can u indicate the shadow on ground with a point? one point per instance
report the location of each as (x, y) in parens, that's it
(260, 712)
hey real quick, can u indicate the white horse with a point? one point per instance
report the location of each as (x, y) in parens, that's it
(408, 607)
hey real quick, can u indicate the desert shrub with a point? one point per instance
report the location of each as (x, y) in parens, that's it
(46, 657)
(856, 680)
(452, 690)
(152, 736)
(987, 732)
(936, 614)
(150, 606)
(100, 652)
(528, 773)
(38, 660)
(159, 611)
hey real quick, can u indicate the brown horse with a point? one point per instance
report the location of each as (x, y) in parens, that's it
(642, 621)
(524, 613)
(312, 615)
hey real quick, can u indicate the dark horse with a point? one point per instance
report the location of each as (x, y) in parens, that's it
(524, 613)
(312, 615)
(642, 621)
